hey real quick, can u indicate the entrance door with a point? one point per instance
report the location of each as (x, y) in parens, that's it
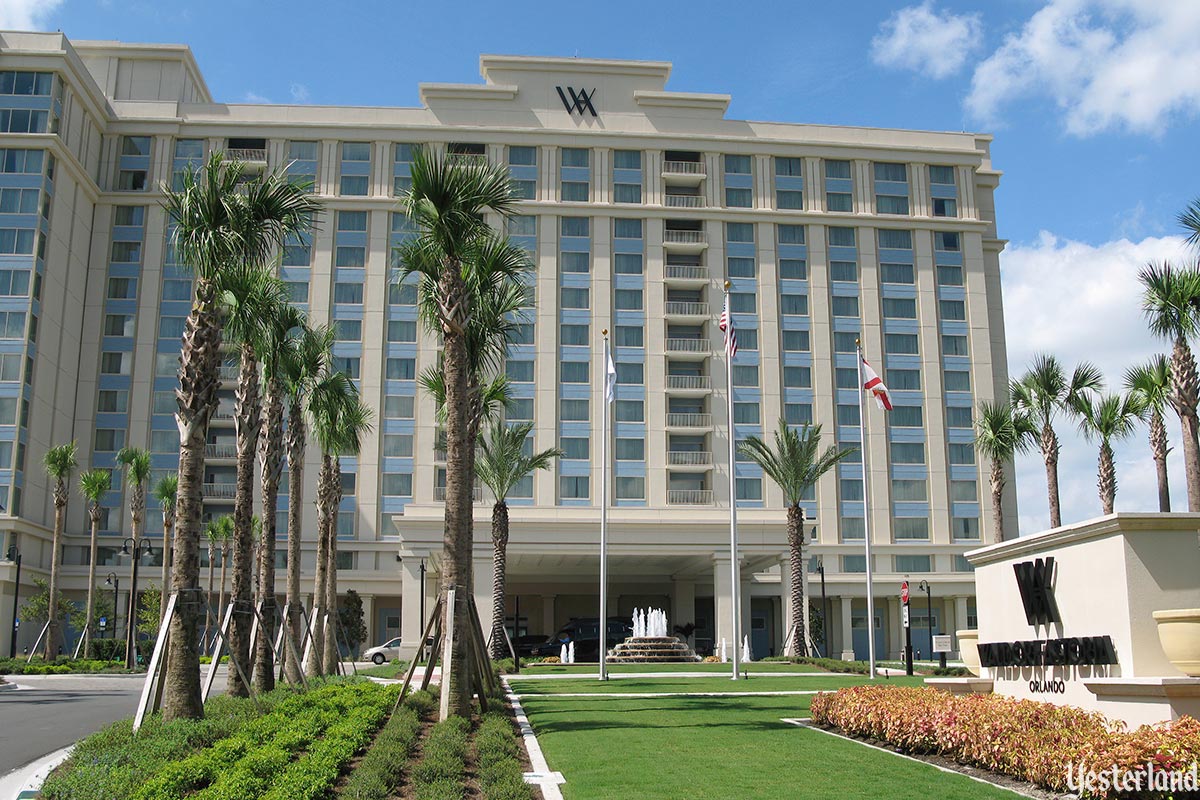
(858, 623)
(922, 643)
(387, 626)
(760, 632)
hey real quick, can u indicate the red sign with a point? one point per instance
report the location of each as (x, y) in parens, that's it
(904, 593)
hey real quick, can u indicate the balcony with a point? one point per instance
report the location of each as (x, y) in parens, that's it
(683, 273)
(696, 348)
(684, 308)
(251, 155)
(689, 458)
(439, 494)
(229, 372)
(691, 172)
(689, 420)
(218, 491)
(467, 159)
(684, 201)
(689, 383)
(222, 415)
(689, 497)
(684, 240)
(220, 451)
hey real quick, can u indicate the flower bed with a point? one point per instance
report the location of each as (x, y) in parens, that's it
(1031, 741)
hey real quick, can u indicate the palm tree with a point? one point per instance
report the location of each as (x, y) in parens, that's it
(447, 203)
(502, 464)
(221, 222)
(1189, 218)
(223, 526)
(92, 485)
(252, 297)
(1108, 418)
(795, 465)
(1043, 392)
(136, 462)
(1171, 303)
(305, 359)
(212, 536)
(165, 492)
(1001, 432)
(283, 328)
(1150, 383)
(59, 462)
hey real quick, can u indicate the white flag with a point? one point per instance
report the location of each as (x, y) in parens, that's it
(610, 380)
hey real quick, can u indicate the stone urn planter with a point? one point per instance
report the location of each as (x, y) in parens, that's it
(968, 650)
(1179, 634)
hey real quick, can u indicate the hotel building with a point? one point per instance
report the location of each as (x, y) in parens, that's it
(638, 203)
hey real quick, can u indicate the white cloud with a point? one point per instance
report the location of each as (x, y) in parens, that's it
(924, 40)
(26, 15)
(254, 97)
(299, 93)
(1107, 64)
(1082, 302)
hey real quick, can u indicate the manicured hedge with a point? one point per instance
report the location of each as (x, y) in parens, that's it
(441, 772)
(61, 666)
(830, 664)
(379, 772)
(1024, 739)
(498, 756)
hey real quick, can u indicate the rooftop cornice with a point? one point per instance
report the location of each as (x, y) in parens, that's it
(648, 69)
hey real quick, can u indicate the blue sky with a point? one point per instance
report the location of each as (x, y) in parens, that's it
(1093, 105)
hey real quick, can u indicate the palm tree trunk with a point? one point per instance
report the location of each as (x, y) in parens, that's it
(1106, 480)
(136, 502)
(1185, 385)
(53, 631)
(212, 564)
(1158, 446)
(271, 456)
(997, 480)
(795, 537)
(94, 516)
(247, 420)
(458, 536)
(221, 594)
(1050, 455)
(499, 569)
(295, 459)
(317, 649)
(166, 570)
(332, 654)
(197, 397)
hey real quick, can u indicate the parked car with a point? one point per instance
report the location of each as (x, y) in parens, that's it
(524, 644)
(383, 653)
(585, 633)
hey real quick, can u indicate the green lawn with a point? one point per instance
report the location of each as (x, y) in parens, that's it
(649, 683)
(717, 747)
(630, 669)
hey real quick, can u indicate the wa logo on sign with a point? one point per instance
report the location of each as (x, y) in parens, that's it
(579, 102)
(1035, 579)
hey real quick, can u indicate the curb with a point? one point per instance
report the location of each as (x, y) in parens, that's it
(25, 782)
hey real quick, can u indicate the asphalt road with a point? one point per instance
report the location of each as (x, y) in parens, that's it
(58, 710)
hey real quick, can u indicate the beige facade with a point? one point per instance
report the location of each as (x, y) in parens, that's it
(826, 233)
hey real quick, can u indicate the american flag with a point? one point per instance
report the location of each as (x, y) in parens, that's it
(726, 326)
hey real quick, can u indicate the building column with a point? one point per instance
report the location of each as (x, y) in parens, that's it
(722, 605)
(482, 570)
(960, 620)
(785, 602)
(847, 629)
(368, 603)
(548, 625)
(411, 624)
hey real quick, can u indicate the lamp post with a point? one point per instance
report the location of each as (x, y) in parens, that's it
(135, 548)
(115, 582)
(824, 606)
(924, 587)
(15, 555)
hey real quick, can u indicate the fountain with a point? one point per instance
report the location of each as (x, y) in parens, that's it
(651, 642)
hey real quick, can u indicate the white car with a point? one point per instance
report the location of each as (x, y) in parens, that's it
(381, 654)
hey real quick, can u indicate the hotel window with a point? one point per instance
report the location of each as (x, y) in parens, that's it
(949, 276)
(845, 342)
(964, 492)
(797, 413)
(627, 159)
(909, 491)
(627, 299)
(348, 365)
(628, 336)
(170, 327)
(522, 156)
(739, 232)
(844, 306)
(570, 372)
(164, 441)
(10, 367)
(964, 528)
(838, 170)
(573, 487)
(400, 369)
(748, 488)
(573, 410)
(962, 454)
(110, 401)
(627, 263)
(793, 305)
(124, 288)
(304, 151)
(398, 445)
(912, 563)
(851, 489)
(891, 172)
(627, 229)
(347, 330)
(911, 528)
(355, 179)
(789, 200)
(797, 377)
(793, 269)
(908, 452)
(630, 449)
(107, 439)
(791, 234)
(895, 240)
(954, 345)
(796, 342)
(126, 252)
(348, 293)
(899, 308)
(21, 201)
(841, 237)
(955, 310)
(522, 225)
(896, 273)
(348, 256)
(576, 226)
(575, 157)
(630, 487)
(351, 220)
(959, 417)
(297, 291)
(745, 375)
(569, 335)
(575, 448)
(16, 241)
(962, 565)
(574, 297)
(891, 204)
(958, 380)
(630, 373)
(119, 325)
(629, 411)
(843, 271)
(397, 484)
(940, 175)
(36, 84)
(739, 267)
(166, 365)
(743, 302)
(854, 564)
(626, 193)
(789, 167)
(573, 262)
(900, 344)
(400, 330)
(746, 413)
(945, 207)
(841, 202)
(398, 406)
(845, 377)
(848, 415)
(737, 198)
(946, 241)
(853, 529)
(904, 380)
(906, 417)
(747, 339)
(519, 371)
(519, 410)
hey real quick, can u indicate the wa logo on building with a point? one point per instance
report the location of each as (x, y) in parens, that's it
(579, 102)
(1035, 580)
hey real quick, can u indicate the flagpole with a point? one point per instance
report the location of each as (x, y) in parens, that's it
(734, 566)
(604, 516)
(862, 438)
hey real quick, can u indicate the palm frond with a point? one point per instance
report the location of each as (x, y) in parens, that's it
(1002, 431)
(1109, 418)
(137, 464)
(59, 461)
(796, 462)
(1189, 218)
(1151, 382)
(94, 483)
(1170, 298)
(166, 491)
(502, 461)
